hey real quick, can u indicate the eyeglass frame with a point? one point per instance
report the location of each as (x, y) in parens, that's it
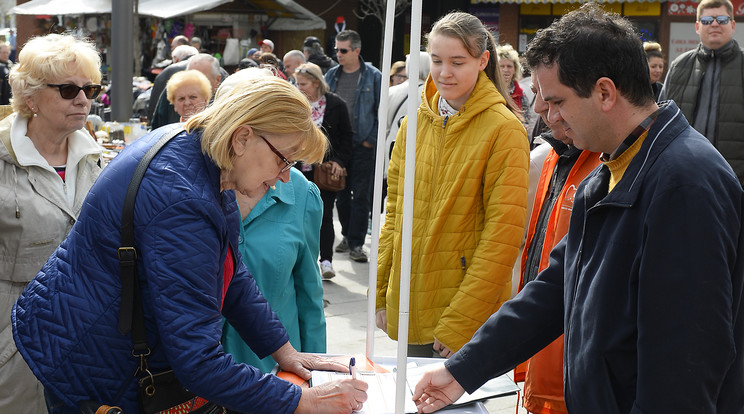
(727, 20)
(59, 86)
(287, 164)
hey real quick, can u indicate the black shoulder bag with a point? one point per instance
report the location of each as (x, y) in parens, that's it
(162, 392)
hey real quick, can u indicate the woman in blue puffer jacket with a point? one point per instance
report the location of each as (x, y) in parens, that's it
(186, 225)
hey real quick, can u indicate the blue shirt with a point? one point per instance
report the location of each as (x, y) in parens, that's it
(279, 242)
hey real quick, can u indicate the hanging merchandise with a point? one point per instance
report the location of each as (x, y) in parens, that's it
(231, 54)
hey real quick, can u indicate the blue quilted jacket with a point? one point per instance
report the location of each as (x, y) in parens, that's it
(65, 323)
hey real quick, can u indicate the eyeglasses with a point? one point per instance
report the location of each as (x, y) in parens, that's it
(708, 20)
(287, 164)
(70, 90)
(398, 75)
(341, 51)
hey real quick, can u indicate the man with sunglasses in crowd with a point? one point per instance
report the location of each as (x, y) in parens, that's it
(706, 82)
(358, 84)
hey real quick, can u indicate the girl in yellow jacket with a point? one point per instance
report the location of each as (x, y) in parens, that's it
(470, 195)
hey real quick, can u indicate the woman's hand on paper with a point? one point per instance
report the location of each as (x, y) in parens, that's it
(436, 389)
(302, 363)
(343, 396)
(381, 319)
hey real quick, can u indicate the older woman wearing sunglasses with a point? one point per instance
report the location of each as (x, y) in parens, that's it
(47, 165)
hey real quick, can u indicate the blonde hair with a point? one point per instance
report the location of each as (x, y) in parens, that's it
(267, 104)
(476, 39)
(506, 51)
(189, 77)
(46, 59)
(313, 71)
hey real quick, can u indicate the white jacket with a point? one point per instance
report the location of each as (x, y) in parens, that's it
(37, 208)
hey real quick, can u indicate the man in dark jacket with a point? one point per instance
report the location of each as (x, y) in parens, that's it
(647, 284)
(708, 82)
(314, 54)
(5, 65)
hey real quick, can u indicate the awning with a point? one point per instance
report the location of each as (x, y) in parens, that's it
(156, 8)
(561, 1)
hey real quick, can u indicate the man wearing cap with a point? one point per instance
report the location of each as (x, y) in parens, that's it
(314, 54)
(706, 82)
(358, 84)
(266, 45)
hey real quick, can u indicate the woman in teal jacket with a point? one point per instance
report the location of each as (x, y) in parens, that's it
(279, 242)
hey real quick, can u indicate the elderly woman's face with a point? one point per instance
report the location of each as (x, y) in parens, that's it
(57, 114)
(189, 100)
(507, 70)
(257, 166)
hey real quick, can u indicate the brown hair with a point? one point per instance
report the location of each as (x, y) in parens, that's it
(473, 34)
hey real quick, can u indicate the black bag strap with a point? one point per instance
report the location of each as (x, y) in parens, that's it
(131, 314)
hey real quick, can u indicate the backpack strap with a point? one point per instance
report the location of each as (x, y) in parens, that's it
(131, 314)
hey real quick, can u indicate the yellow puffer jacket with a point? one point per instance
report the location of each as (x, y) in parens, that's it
(469, 212)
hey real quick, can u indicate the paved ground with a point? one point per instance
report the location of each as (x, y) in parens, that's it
(346, 319)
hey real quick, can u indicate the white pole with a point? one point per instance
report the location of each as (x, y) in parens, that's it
(377, 183)
(408, 183)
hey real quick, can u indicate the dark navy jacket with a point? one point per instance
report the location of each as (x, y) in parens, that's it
(65, 322)
(646, 285)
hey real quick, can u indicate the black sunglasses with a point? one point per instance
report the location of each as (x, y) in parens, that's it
(707, 20)
(70, 90)
(342, 51)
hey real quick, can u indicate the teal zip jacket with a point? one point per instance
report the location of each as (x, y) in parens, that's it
(279, 242)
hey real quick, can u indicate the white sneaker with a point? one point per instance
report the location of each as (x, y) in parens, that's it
(326, 270)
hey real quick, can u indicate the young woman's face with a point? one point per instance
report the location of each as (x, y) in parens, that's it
(655, 68)
(453, 70)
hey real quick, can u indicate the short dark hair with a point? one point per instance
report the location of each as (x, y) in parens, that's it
(588, 44)
(352, 36)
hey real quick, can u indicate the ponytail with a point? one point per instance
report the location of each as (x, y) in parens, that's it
(493, 71)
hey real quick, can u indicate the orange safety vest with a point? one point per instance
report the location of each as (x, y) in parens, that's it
(543, 373)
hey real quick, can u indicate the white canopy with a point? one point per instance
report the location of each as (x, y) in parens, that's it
(303, 19)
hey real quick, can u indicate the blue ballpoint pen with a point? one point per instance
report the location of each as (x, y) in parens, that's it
(352, 368)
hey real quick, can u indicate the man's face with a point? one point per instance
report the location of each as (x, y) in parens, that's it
(579, 117)
(265, 48)
(4, 53)
(290, 64)
(715, 35)
(541, 108)
(351, 55)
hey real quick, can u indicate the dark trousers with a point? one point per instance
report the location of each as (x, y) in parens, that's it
(353, 203)
(327, 233)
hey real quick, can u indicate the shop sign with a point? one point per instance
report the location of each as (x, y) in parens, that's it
(642, 9)
(535, 9)
(682, 8)
(689, 8)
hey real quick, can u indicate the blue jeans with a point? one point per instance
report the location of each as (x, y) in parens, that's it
(353, 202)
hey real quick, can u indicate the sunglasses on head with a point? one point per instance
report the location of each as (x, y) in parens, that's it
(342, 51)
(707, 20)
(70, 90)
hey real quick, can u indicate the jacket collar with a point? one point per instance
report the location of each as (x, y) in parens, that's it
(725, 53)
(484, 96)
(668, 126)
(284, 193)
